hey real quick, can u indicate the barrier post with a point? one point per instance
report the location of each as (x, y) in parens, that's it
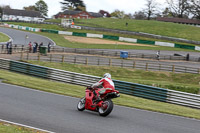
(63, 58)
(147, 66)
(50, 57)
(27, 57)
(86, 61)
(173, 68)
(21, 55)
(38, 56)
(110, 62)
(134, 64)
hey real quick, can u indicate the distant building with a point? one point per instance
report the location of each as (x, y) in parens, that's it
(22, 15)
(179, 20)
(78, 14)
(105, 13)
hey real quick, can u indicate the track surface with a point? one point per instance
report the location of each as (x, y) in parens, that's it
(18, 37)
(59, 114)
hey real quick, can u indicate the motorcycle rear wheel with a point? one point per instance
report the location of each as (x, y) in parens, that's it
(106, 108)
(81, 104)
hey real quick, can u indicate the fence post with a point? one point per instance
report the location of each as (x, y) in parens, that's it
(38, 56)
(98, 62)
(134, 64)
(159, 67)
(86, 61)
(199, 71)
(173, 68)
(50, 57)
(27, 57)
(75, 60)
(147, 66)
(22, 55)
(110, 62)
(63, 50)
(122, 64)
(63, 58)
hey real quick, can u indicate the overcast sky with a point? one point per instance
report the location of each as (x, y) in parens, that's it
(54, 6)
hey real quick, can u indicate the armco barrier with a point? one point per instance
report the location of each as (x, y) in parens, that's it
(144, 91)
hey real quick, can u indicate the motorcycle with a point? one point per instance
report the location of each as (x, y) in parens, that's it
(104, 105)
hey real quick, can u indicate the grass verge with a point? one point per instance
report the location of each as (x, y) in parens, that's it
(61, 41)
(78, 91)
(11, 128)
(3, 37)
(175, 81)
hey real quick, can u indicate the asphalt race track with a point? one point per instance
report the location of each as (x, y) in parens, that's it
(58, 113)
(16, 34)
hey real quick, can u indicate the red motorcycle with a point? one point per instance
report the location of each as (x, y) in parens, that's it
(90, 102)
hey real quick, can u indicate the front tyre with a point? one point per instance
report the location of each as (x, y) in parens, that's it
(106, 108)
(81, 104)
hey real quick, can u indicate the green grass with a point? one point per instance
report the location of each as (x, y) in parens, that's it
(3, 37)
(10, 128)
(56, 27)
(61, 41)
(153, 27)
(78, 91)
(175, 81)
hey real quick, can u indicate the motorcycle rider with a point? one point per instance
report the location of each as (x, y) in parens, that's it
(107, 84)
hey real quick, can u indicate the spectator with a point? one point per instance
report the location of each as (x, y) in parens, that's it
(7, 45)
(188, 57)
(30, 47)
(126, 24)
(158, 55)
(49, 47)
(36, 47)
(10, 48)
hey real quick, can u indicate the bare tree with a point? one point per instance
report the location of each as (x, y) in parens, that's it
(195, 8)
(151, 8)
(178, 8)
(140, 15)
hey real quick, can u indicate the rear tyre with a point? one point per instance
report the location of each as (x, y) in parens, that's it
(106, 108)
(81, 104)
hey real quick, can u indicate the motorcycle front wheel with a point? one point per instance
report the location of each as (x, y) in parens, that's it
(106, 108)
(81, 104)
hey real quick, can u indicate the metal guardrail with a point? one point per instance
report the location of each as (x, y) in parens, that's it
(144, 91)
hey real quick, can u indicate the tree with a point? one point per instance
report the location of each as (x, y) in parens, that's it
(195, 8)
(118, 14)
(30, 8)
(178, 8)
(3, 7)
(151, 8)
(140, 15)
(73, 5)
(42, 7)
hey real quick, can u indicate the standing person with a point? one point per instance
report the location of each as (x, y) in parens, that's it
(158, 55)
(41, 44)
(36, 47)
(33, 47)
(10, 48)
(49, 47)
(30, 47)
(7, 45)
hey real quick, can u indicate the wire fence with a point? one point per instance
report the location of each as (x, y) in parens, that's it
(22, 48)
(111, 62)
